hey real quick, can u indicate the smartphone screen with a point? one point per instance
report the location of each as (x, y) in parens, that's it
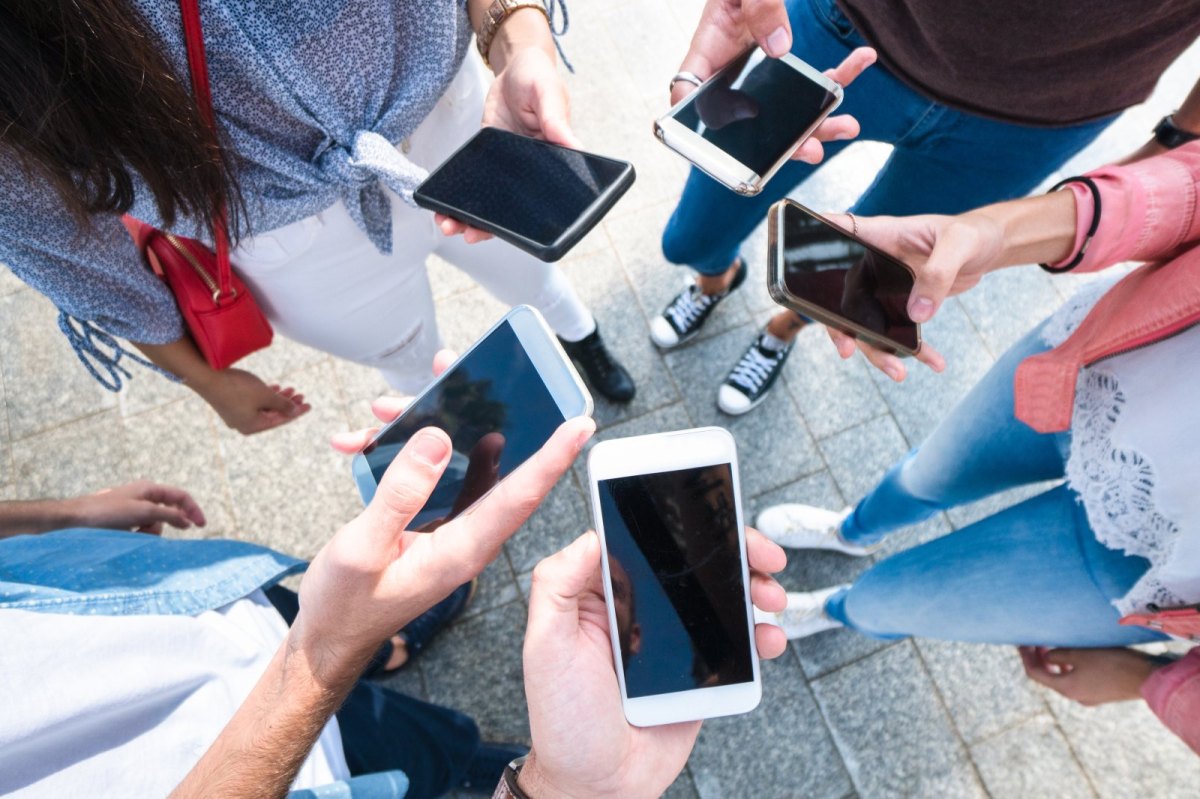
(756, 110)
(497, 411)
(825, 266)
(676, 579)
(525, 186)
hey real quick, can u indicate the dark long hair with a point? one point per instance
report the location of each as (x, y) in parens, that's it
(89, 100)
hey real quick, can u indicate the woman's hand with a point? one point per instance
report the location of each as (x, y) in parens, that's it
(582, 744)
(247, 404)
(142, 506)
(1089, 676)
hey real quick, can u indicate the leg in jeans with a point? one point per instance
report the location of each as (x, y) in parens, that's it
(1033, 574)
(383, 730)
(979, 449)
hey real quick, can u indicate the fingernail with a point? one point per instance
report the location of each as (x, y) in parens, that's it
(845, 134)
(779, 42)
(583, 437)
(429, 448)
(892, 372)
(921, 310)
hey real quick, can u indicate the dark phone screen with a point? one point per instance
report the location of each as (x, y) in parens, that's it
(496, 410)
(756, 110)
(824, 266)
(677, 584)
(534, 189)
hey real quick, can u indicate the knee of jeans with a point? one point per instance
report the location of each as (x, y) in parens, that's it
(679, 247)
(874, 606)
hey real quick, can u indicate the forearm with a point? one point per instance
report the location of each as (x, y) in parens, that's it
(182, 359)
(38, 516)
(1039, 229)
(263, 746)
(525, 27)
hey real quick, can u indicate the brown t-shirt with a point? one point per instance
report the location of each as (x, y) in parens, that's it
(1037, 62)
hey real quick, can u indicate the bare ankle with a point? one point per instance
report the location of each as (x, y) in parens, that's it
(718, 284)
(785, 325)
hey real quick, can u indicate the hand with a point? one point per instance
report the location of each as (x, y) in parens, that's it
(1089, 676)
(374, 576)
(582, 744)
(949, 254)
(142, 506)
(247, 404)
(728, 27)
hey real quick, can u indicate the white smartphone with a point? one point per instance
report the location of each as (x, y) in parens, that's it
(742, 124)
(499, 403)
(668, 511)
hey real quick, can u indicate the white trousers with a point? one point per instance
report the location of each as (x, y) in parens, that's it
(322, 283)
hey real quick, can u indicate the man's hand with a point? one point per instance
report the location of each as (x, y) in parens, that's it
(1089, 676)
(582, 744)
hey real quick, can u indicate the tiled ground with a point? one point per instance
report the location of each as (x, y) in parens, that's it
(842, 716)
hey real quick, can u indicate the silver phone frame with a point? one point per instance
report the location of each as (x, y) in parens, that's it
(549, 359)
(649, 454)
(720, 165)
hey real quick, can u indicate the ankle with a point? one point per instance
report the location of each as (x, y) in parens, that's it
(784, 326)
(718, 284)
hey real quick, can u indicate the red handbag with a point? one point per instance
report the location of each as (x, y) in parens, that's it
(220, 313)
(1180, 622)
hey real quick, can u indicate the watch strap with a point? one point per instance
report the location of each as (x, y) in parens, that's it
(508, 787)
(1170, 136)
(494, 17)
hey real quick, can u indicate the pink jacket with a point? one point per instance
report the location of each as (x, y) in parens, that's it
(1149, 212)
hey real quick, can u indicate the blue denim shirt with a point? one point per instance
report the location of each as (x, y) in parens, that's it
(113, 573)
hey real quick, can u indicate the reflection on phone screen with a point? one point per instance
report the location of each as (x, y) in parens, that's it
(676, 569)
(827, 268)
(496, 410)
(756, 110)
(526, 186)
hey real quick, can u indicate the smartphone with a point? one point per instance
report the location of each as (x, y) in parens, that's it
(824, 272)
(538, 196)
(742, 124)
(499, 403)
(668, 511)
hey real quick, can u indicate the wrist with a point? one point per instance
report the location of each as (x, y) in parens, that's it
(522, 29)
(1033, 230)
(536, 784)
(330, 665)
(1187, 120)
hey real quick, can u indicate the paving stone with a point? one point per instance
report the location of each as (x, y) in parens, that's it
(603, 286)
(177, 445)
(859, 457)
(649, 51)
(984, 687)
(5, 447)
(892, 732)
(147, 390)
(1029, 761)
(465, 317)
(774, 445)
(663, 420)
(497, 587)
(833, 395)
(1008, 304)
(45, 383)
(9, 283)
(78, 457)
(1126, 751)
(291, 491)
(560, 519)
(781, 749)
(475, 667)
(682, 788)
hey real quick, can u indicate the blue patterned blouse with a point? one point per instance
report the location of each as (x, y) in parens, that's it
(312, 95)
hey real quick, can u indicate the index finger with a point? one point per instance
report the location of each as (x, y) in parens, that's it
(177, 497)
(852, 66)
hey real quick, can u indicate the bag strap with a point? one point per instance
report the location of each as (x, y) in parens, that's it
(193, 35)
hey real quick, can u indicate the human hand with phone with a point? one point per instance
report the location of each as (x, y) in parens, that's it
(582, 744)
(729, 27)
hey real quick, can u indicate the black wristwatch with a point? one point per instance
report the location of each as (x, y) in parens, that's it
(1170, 136)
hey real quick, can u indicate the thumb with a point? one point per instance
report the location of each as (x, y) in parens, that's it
(554, 116)
(407, 484)
(558, 583)
(767, 21)
(935, 279)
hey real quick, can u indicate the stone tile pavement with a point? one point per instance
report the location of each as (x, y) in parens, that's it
(842, 716)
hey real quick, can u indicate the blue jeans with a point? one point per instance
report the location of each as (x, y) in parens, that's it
(945, 161)
(1032, 574)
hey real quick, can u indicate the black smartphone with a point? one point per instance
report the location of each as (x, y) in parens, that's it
(821, 271)
(499, 403)
(540, 197)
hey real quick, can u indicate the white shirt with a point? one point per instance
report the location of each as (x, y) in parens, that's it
(124, 706)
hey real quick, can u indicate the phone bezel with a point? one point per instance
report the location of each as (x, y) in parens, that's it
(661, 452)
(543, 250)
(777, 285)
(720, 165)
(552, 364)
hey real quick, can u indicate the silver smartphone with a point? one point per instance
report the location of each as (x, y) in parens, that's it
(668, 511)
(499, 403)
(743, 124)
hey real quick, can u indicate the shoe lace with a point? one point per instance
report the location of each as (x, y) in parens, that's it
(689, 305)
(596, 358)
(753, 369)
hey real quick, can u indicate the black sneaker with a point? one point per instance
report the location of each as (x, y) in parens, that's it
(688, 312)
(752, 377)
(603, 372)
(420, 631)
(485, 770)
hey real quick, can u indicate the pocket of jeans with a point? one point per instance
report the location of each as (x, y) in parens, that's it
(832, 17)
(275, 249)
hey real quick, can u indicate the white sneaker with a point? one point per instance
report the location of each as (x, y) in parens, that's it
(805, 614)
(809, 527)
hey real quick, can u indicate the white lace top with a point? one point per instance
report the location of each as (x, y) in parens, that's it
(1135, 455)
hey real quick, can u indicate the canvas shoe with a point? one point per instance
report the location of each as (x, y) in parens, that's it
(808, 527)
